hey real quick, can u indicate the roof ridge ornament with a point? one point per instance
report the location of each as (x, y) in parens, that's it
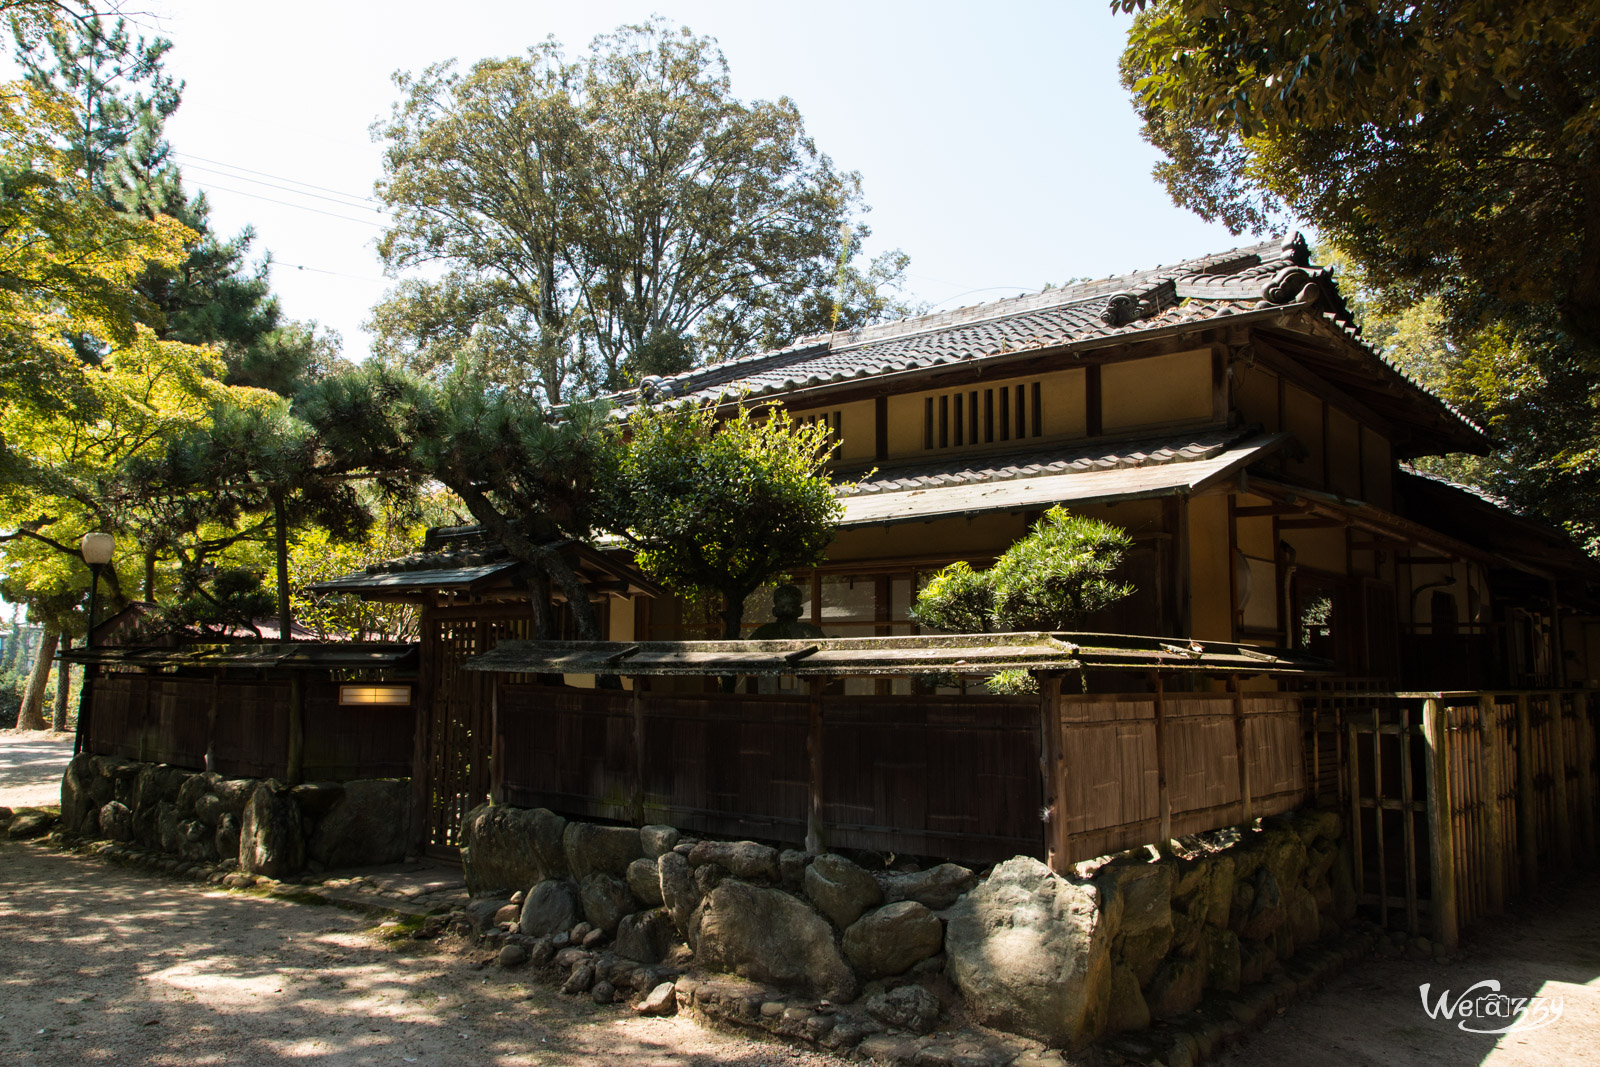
(1286, 285)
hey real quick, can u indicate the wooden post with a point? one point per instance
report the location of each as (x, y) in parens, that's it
(1586, 772)
(1442, 850)
(816, 827)
(211, 723)
(497, 744)
(1242, 752)
(1049, 768)
(636, 705)
(1489, 776)
(1357, 859)
(1558, 771)
(1527, 833)
(1377, 818)
(1163, 797)
(1407, 801)
(296, 763)
(422, 709)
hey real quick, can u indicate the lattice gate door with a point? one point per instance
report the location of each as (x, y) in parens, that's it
(459, 729)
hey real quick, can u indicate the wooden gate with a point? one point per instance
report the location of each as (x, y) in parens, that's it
(455, 727)
(1457, 801)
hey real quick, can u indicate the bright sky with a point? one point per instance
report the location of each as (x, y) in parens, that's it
(996, 146)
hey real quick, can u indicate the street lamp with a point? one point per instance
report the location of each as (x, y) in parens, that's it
(96, 548)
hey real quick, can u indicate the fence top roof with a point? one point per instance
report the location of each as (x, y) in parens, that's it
(294, 655)
(924, 654)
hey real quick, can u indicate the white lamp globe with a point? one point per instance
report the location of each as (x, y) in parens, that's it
(96, 548)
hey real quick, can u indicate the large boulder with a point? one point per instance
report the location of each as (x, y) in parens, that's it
(30, 822)
(116, 821)
(77, 784)
(316, 799)
(658, 840)
(742, 859)
(1138, 903)
(936, 888)
(840, 889)
(369, 824)
(510, 849)
(606, 900)
(1031, 954)
(593, 849)
(209, 809)
(679, 892)
(550, 908)
(768, 936)
(892, 939)
(645, 936)
(1128, 1010)
(270, 841)
(167, 823)
(1176, 988)
(227, 836)
(234, 793)
(190, 791)
(644, 878)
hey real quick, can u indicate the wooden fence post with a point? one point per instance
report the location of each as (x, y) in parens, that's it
(1527, 831)
(1440, 825)
(1050, 766)
(636, 705)
(1353, 763)
(497, 744)
(1408, 829)
(1558, 771)
(1586, 774)
(211, 723)
(422, 709)
(816, 827)
(296, 761)
(1489, 775)
(1377, 817)
(1242, 757)
(1163, 796)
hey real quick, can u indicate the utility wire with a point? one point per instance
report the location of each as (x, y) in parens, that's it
(319, 270)
(278, 177)
(299, 207)
(285, 188)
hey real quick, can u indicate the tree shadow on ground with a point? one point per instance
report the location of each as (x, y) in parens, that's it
(107, 965)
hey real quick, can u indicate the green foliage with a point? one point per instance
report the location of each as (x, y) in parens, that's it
(720, 508)
(957, 599)
(1053, 578)
(1449, 146)
(608, 217)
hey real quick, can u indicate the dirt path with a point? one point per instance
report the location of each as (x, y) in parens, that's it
(31, 763)
(100, 965)
(1374, 1015)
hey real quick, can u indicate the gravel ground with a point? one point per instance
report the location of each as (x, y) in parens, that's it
(107, 965)
(31, 763)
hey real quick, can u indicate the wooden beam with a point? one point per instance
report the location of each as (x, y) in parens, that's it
(1446, 930)
(1246, 804)
(816, 825)
(1049, 768)
(1261, 511)
(1527, 827)
(636, 707)
(1558, 771)
(1163, 794)
(295, 771)
(1489, 775)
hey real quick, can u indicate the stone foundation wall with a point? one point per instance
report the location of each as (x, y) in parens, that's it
(266, 826)
(1118, 943)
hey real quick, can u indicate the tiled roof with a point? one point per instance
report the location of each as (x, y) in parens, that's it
(1085, 457)
(1244, 279)
(1065, 475)
(1253, 278)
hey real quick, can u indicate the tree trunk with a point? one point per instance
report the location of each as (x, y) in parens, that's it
(150, 575)
(32, 715)
(732, 630)
(280, 520)
(63, 683)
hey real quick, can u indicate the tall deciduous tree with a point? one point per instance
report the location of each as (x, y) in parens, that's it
(600, 219)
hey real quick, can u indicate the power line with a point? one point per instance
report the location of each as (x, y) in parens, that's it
(274, 185)
(319, 270)
(279, 177)
(299, 207)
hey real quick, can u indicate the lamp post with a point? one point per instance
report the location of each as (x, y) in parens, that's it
(96, 548)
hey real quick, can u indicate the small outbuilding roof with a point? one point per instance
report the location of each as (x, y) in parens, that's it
(293, 655)
(918, 655)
